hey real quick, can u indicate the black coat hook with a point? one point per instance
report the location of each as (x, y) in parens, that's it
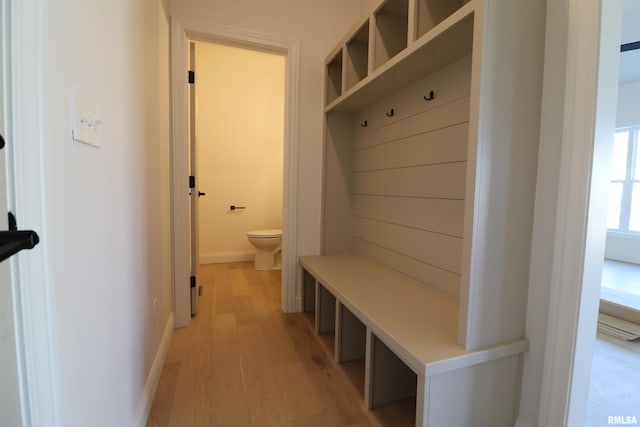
(364, 124)
(390, 113)
(430, 97)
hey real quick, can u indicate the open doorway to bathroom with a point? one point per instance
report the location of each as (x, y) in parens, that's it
(238, 119)
(183, 31)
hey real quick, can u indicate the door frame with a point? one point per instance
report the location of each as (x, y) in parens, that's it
(182, 30)
(589, 97)
(26, 124)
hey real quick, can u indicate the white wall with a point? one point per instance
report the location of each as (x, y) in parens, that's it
(107, 230)
(624, 246)
(240, 135)
(318, 26)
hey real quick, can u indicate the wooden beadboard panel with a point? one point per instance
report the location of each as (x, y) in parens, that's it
(440, 146)
(448, 84)
(436, 249)
(432, 277)
(444, 181)
(438, 215)
(448, 114)
(338, 176)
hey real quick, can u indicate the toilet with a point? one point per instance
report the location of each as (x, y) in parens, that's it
(268, 244)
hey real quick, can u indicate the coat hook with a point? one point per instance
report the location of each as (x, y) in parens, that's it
(364, 124)
(430, 96)
(390, 113)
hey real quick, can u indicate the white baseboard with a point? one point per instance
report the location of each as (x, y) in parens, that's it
(145, 401)
(220, 257)
(520, 422)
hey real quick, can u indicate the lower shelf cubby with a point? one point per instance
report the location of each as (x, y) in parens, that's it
(351, 346)
(326, 317)
(392, 385)
(309, 297)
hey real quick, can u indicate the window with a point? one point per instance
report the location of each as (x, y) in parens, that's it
(624, 188)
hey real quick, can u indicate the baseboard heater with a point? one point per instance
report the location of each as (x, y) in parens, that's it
(618, 328)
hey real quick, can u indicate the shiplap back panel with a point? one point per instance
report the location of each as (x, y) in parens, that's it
(338, 178)
(409, 177)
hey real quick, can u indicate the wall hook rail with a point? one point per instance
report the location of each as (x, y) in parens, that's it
(430, 97)
(390, 113)
(364, 124)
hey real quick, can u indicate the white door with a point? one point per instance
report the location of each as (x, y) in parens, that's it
(193, 184)
(10, 394)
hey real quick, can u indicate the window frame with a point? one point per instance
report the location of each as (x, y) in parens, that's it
(630, 179)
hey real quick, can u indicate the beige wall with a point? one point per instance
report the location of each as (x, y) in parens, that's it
(318, 26)
(107, 231)
(240, 134)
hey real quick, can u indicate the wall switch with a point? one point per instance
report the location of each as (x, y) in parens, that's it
(85, 121)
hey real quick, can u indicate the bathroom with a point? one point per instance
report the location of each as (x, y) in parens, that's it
(239, 138)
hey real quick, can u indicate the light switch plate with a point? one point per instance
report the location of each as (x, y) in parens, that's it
(86, 125)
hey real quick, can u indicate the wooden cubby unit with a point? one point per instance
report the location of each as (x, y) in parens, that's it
(309, 297)
(392, 30)
(427, 208)
(430, 13)
(334, 77)
(326, 317)
(357, 49)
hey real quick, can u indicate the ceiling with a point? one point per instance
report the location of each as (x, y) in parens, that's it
(630, 60)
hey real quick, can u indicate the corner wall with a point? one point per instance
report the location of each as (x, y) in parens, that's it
(107, 230)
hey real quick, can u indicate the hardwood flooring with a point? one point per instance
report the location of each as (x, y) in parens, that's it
(242, 362)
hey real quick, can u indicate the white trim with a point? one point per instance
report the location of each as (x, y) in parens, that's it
(28, 141)
(521, 422)
(182, 30)
(220, 257)
(580, 225)
(180, 287)
(146, 399)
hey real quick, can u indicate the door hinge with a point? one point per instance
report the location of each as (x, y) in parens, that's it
(192, 77)
(192, 181)
(193, 281)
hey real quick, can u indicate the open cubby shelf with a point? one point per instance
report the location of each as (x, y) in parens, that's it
(334, 77)
(357, 50)
(392, 30)
(420, 290)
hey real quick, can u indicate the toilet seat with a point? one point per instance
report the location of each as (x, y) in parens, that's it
(265, 234)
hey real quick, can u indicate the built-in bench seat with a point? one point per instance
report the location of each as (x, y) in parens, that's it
(407, 336)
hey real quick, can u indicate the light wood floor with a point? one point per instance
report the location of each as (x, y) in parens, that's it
(242, 362)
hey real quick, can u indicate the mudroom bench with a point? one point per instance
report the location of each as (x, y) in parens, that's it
(407, 336)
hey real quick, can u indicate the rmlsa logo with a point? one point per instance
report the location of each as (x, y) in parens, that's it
(622, 420)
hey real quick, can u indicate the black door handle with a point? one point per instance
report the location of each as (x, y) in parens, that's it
(12, 242)
(200, 194)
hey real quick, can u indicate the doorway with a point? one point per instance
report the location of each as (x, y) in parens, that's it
(182, 31)
(239, 135)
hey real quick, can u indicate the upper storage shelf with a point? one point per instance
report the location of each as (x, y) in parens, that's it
(358, 57)
(445, 31)
(392, 30)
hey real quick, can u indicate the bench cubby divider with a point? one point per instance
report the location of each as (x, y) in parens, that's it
(410, 343)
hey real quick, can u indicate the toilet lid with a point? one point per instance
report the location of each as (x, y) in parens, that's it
(265, 233)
